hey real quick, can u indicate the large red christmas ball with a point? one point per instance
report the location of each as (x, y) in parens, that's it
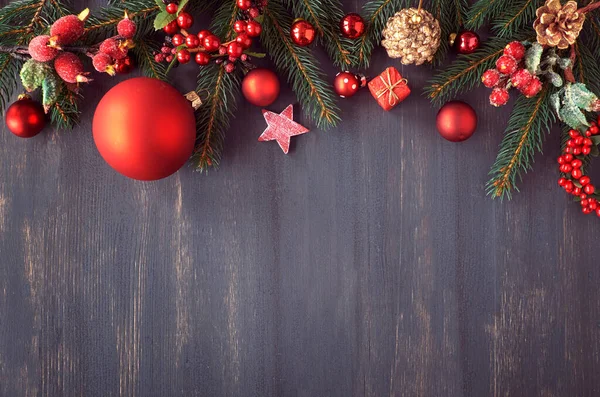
(144, 129)
(456, 121)
(352, 26)
(303, 33)
(261, 87)
(25, 118)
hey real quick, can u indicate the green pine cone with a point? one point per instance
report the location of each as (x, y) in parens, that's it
(33, 74)
(50, 91)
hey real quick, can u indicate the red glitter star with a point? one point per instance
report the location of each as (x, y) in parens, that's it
(281, 128)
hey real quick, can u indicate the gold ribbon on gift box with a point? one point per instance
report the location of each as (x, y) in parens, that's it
(389, 87)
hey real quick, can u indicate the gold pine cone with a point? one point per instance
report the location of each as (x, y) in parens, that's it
(413, 35)
(557, 25)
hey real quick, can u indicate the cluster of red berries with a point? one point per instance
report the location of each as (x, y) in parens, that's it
(510, 72)
(205, 46)
(66, 31)
(574, 181)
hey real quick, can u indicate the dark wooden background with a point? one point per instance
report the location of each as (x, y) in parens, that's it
(367, 262)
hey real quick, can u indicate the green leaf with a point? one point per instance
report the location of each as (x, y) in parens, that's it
(582, 97)
(161, 5)
(533, 58)
(182, 4)
(555, 102)
(595, 152)
(163, 19)
(596, 139)
(572, 115)
(555, 79)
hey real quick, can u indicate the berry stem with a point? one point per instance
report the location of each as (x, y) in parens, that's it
(589, 8)
(569, 76)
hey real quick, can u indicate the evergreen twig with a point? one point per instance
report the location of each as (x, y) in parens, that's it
(144, 54)
(520, 15)
(484, 11)
(452, 15)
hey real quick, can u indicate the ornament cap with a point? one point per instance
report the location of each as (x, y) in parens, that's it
(84, 15)
(194, 98)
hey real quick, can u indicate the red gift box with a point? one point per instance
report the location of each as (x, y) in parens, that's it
(389, 88)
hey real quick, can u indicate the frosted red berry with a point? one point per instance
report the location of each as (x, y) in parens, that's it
(521, 78)
(40, 50)
(172, 8)
(506, 64)
(103, 63)
(230, 67)
(126, 28)
(67, 29)
(253, 12)
(113, 48)
(533, 88)
(490, 78)
(499, 97)
(159, 57)
(69, 67)
(515, 49)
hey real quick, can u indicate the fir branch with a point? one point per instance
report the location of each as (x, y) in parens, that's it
(64, 114)
(104, 23)
(515, 18)
(17, 11)
(451, 15)
(300, 65)
(586, 68)
(377, 13)
(212, 119)
(465, 72)
(325, 16)
(9, 76)
(530, 120)
(143, 53)
(487, 10)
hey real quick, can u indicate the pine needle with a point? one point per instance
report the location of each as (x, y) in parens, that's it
(143, 53)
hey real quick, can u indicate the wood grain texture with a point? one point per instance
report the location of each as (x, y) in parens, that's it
(367, 262)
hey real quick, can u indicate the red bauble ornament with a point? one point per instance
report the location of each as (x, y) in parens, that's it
(303, 33)
(144, 129)
(466, 42)
(352, 26)
(25, 118)
(261, 87)
(456, 121)
(347, 84)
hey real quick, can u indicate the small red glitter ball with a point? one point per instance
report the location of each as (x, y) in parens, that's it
(466, 42)
(533, 88)
(68, 29)
(352, 26)
(126, 28)
(39, 49)
(521, 78)
(490, 78)
(506, 64)
(499, 97)
(515, 49)
(303, 33)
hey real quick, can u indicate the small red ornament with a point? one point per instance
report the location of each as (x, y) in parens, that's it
(144, 129)
(281, 127)
(261, 87)
(347, 84)
(352, 26)
(389, 88)
(456, 121)
(124, 66)
(466, 42)
(303, 33)
(25, 118)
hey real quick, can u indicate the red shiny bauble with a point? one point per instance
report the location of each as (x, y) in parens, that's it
(352, 26)
(25, 118)
(144, 129)
(124, 65)
(303, 33)
(466, 42)
(346, 84)
(456, 121)
(261, 87)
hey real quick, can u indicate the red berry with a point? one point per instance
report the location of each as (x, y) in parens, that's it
(172, 8)
(579, 141)
(562, 182)
(40, 49)
(69, 67)
(506, 64)
(185, 20)
(490, 78)
(584, 180)
(253, 12)
(183, 56)
(192, 41)
(571, 143)
(126, 28)
(576, 151)
(171, 28)
(165, 50)
(576, 173)
(178, 40)
(67, 29)
(533, 88)
(515, 49)
(103, 63)
(244, 40)
(589, 189)
(568, 157)
(203, 34)
(230, 67)
(169, 58)
(158, 57)
(576, 191)
(586, 210)
(202, 58)
(594, 129)
(211, 43)
(521, 78)
(588, 142)
(253, 29)
(565, 168)
(573, 133)
(569, 187)
(598, 212)
(222, 50)
(576, 163)
(239, 26)
(244, 4)
(113, 48)
(561, 160)
(235, 49)
(499, 97)
(586, 150)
